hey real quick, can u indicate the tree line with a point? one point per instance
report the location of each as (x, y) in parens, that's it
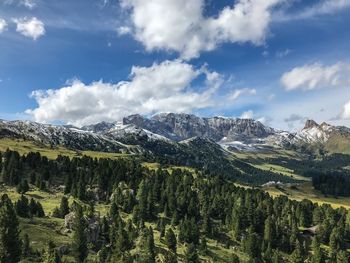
(182, 207)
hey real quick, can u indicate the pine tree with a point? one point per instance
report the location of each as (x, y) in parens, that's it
(146, 247)
(252, 245)
(269, 236)
(297, 256)
(79, 237)
(343, 257)
(23, 187)
(276, 258)
(191, 255)
(121, 244)
(26, 246)
(51, 255)
(234, 258)
(150, 243)
(10, 243)
(318, 256)
(170, 240)
(170, 258)
(203, 245)
(64, 207)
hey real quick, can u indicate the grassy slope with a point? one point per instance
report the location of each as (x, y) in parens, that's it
(306, 191)
(338, 144)
(24, 147)
(303, 191)
(281, 170)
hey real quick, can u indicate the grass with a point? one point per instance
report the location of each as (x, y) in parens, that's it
(42, 230)
(281, 170)
(273, 153)
(338, 144)
(306, 191)
(25, 147)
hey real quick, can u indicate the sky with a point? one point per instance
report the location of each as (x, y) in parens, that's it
(84, 61)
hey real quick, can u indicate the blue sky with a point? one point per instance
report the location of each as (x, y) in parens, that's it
(84, 61)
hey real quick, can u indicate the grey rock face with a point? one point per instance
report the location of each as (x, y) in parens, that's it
(180, 127)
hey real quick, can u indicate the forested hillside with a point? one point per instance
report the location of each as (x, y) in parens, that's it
(120, 211)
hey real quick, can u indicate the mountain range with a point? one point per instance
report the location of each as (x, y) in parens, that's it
(232, 134)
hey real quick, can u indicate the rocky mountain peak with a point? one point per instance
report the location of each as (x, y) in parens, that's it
(310, 124)
(100, 127)
(181, 126)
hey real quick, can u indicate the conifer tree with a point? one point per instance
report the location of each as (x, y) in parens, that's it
(297, 256)
(79, 236)
(343, 257)
(203, 245)
(64, 207)
(10, 243)
(170, 240)
(234, 259)
(51, 255)
(146, 247)
(318, 256)
(170, 258)
(191, 255)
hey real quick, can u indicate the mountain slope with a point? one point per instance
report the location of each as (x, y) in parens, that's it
(325, 137)
(54, 135)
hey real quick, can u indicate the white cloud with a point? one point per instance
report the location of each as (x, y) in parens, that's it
(325, 7)
(316, 75)
(322, 7)
(239, 92)
(32, 28)
(3, 25)
(251, 115)
(123, 30)
(346, 111)
(247, 115)
(161, 87)
(179, 25)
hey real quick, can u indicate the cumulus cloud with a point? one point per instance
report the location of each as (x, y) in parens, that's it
(162, 87)
(3, 25)
(179, 25)
(316, 75)
(249, 114)
(346, 111)
(32, 28)
(239, 92)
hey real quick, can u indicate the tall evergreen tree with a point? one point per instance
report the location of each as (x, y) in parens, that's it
(51, 255)
(79, 236)
(191, 255)
(26, 246)
(170, 240)
(317, 256)
(10, 243)
(64, 207)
